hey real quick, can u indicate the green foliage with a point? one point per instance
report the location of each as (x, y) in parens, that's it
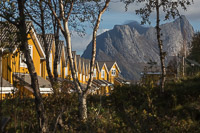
(169, 7)
(135, 108)
(194, 53)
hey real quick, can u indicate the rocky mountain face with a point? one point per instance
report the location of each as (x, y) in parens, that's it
(133, 45)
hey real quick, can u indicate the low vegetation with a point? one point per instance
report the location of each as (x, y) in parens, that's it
(134, 108)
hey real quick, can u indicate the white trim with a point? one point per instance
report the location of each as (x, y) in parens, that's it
(6, 90)
(50, 62)
(80, 76)
(102, 73)
(66, 71)
(30, 47)
(117, 66)
(113, 71)
(95, 73)
(46, 90)
(105, 67)
(38, 43)
(23, 64)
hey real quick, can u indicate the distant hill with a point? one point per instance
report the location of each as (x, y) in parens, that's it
(133, 45)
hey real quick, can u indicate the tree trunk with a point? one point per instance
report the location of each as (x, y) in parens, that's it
(56, 34)
(42, 119)
(82, 93)
(94, 44)
(82, 107)
(160, 45)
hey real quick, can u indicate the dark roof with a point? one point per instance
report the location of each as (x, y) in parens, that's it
(8, 34)
(5, 83)
(101, 83)
(25, 79)
(109, 64)
(60, 46)
(121, 80)
(49, 38)
(101, 63)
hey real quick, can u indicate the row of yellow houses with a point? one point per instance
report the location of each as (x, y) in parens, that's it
(14, 69)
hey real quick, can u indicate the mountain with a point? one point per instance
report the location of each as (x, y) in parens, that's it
(133, 45)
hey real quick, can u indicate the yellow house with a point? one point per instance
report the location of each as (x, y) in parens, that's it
(6, 89)
(51, 45)
(67, 66)
(113, 70)
(61, 60)
(13, 63)
(87, 69)
(103, 78)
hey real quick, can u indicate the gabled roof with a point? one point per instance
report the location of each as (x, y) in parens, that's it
(121, 80)
(101, 64)
(60, 46)
(109, 64)
(9, 37)
(5, 83)
(49, 38)
(25, 80)
(9, 32)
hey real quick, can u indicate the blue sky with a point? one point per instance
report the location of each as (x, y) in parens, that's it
(116, 15)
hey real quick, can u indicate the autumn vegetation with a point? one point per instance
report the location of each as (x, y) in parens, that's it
(129, 108)
(143, 108)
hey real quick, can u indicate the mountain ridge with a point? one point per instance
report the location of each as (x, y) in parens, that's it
(133, 45)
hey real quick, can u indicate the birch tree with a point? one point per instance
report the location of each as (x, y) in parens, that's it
(39, 13)
(170, 9)
(13, 12)
(63, 21)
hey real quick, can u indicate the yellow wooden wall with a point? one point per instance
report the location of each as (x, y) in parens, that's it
(111, 78)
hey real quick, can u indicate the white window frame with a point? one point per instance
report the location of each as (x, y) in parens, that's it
(102, 73)
(113, 72)
(22, 63)
(66, 71)
(95, 73)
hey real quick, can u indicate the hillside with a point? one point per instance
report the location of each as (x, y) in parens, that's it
(133, 45)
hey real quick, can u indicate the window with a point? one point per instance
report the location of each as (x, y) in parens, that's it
(83, 78)
(95, 72)
(66, 72)
(113, 72)
(23, 59)
(80, 75)
(59, 69)
(102, 73)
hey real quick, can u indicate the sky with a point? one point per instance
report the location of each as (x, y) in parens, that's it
(116, 15)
